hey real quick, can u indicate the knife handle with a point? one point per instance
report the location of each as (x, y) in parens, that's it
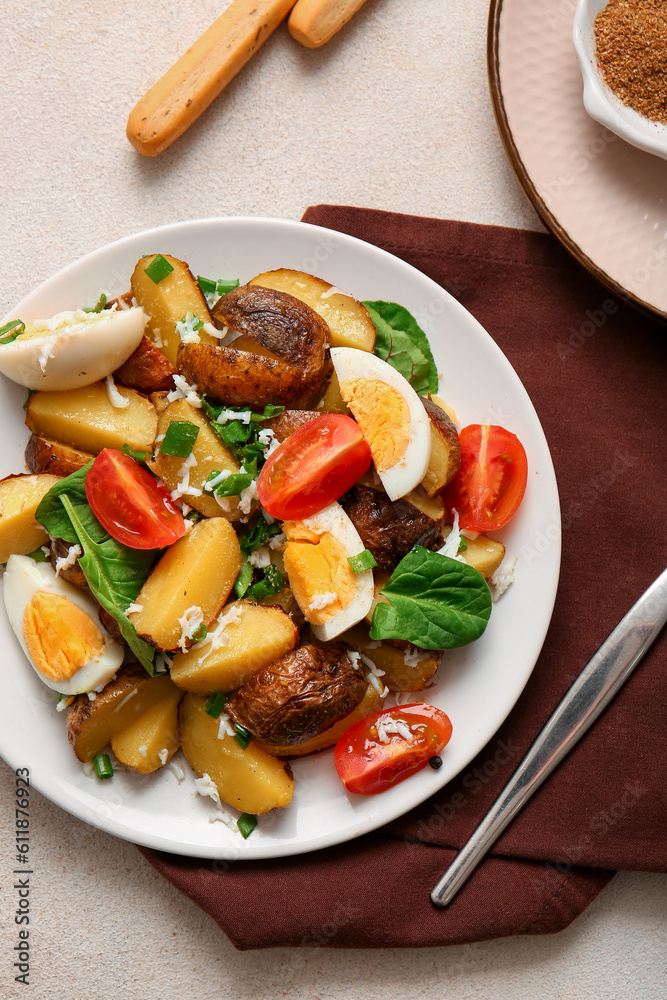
(588, 696)
(186, 90)
(314, 22)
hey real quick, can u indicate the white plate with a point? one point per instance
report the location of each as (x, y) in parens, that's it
(477, 686)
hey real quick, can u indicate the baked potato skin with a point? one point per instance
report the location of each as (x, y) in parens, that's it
(73, 574)
(389, 530)
(146, 371)
(290, 421)
(299, 696)
(42, 455)
(445, 449)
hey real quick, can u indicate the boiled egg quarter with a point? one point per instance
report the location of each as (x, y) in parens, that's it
(58, 628)
(72, 349)
(331, 597)
(390, 415)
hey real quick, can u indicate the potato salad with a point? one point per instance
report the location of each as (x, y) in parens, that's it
(249, 530)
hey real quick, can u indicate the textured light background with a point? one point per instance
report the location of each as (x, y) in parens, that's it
(393, 114)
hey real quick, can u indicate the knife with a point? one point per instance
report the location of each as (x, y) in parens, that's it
(586, 699)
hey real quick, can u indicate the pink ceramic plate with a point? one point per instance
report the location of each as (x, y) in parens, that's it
(605, 200)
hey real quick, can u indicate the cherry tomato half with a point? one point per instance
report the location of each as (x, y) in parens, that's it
(491, 482)
(129, 503)
(366, 764)
(313, 467)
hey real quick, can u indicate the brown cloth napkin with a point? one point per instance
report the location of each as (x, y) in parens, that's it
(595, 371)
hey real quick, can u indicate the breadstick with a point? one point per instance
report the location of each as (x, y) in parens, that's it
(186, 90)
(314, 22)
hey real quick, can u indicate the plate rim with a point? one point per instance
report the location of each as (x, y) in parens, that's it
(523, 176)
(58, 791)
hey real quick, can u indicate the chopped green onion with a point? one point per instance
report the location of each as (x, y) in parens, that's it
(10, 331)
(194, 320)
(194, 516)
(233, 485)
(199, 633)
(360, 563)
(272, 583)
(38, 555)
(243, 736)
(179, 439)
(246, 824)
(207, 285)
(99, 305)
(102, 765)
(226, 285)
(463, 545)
(215, 704)
(243, 580)
(269, 411)
(158, 269)
(138, 456)
(31, 393)
(257, 535)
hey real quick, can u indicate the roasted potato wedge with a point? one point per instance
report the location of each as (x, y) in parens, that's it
(371, 702)
(87, 420)
(482, 553)
(168, 302)
(20, 496)
(91, 724)
(445, 450)
(405, 669)
(250, 780)
(349, 322)
(297, 338)
(42, 455)
(151, 740)
(260, 635)
(389, 529)
(299, 695)
(197, 571)
(147, 370)
(433, 507)
(211, 456)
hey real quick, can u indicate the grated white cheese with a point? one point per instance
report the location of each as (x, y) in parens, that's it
(247, 496)
(92, 695)
(185, 328)
(268, 440)
(163, 756)
(225, 727)
(134, 607)
(502, 578)
(212, 484)
(320, 601)
(183, 487)
(224, 503)
(89, 769)
(412, 656)
(189, 622)
(469, 534)
(215, 637)
(184, 390)
(205, 787)
(277, 540)
(163, 662)
(373, 676)
(354, 658)
(213, 331)
(66, 562)
(386, 727)
(243, 416)
(143, 750)
(260, 558)
(64, 701)
(115, 397)
(177, 770)
(46, 351)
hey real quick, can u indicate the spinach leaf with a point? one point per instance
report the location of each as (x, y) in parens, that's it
(434, 602)
(401, 342)
(52, 514)
(115, 573)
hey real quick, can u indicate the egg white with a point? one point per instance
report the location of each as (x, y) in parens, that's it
(23, 578)
(335, 521)
(408, 472)
(72, 349)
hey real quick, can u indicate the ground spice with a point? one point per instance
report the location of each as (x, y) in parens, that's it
(631, 49)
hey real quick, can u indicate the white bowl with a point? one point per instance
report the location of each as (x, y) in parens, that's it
(600, 102)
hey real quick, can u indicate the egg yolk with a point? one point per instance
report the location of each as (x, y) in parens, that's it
(60, 637)
(383, 417)
(317, 566)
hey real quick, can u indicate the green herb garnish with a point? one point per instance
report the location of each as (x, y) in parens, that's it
(242, 736)
(102, 765)
(246, 824)
(213, 289)
(403, 344)
(199, 633)
(243, 580)
(215, 704)
(434, 602)
(360, 563)
(272, 583)
(158, 269)
(179, 439)
(138, 456)
(463, 546)
(99, 305)
(10, 331)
